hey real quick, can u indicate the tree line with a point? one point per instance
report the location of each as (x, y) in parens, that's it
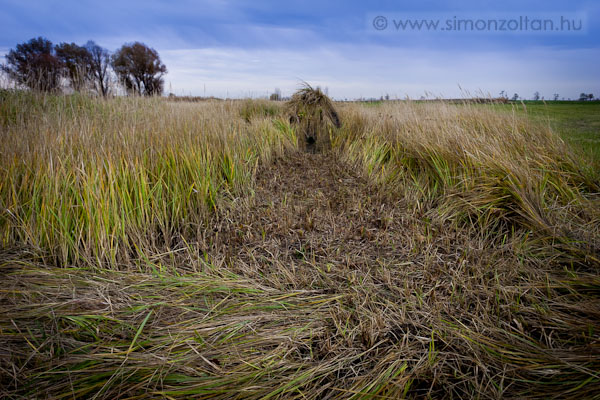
(555, 96)
(40, 65)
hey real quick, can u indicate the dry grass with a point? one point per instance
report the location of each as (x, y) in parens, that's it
(313, 114)
(437, 251)
(104, 181)
(479, 166)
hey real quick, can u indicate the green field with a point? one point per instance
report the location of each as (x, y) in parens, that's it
(577, 122)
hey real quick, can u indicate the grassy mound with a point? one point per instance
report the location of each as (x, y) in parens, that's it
(313, 113)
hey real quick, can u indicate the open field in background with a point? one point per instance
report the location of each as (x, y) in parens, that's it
(190, 250)
(578, 123)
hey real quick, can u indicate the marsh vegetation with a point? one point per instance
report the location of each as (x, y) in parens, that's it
(163, 249)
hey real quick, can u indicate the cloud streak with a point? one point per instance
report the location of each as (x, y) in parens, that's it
(373, 71)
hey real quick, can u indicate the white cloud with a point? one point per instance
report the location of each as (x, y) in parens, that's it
(361, 70)
(371, 71)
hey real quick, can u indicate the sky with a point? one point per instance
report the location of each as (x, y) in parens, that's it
(355, 49)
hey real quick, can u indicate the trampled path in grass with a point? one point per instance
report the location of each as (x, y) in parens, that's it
(317, 286)
(311, 212)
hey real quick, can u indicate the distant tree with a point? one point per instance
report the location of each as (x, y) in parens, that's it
(140, 69)
(515, 97)
(99, 66)
(276, 95)
(536, 96)
(556, 96)
(583, 97)
(503, 94)
(34, 64)
(590, 97)
(76, 63)
(387, 97)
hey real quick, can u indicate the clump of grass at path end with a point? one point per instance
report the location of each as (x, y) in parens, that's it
(313, 115)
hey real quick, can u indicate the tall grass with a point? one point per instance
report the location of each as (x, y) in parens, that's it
(157, 249)
(102, 180)
(480, 165)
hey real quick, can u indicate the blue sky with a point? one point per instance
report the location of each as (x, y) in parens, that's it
(248, 48)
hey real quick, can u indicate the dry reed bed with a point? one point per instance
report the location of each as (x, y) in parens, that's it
(476, 164)
(93, 180)
(439, 250)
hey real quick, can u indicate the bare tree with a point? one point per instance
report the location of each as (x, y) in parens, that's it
(34, 64)
(100, 67)
(536, 96)
(276, 95)
(140, 69)
(556, 95)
